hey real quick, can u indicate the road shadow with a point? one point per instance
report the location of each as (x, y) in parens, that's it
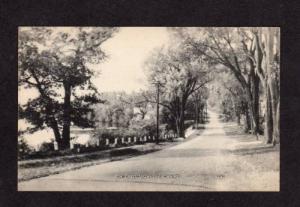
(205, 152)
(214, 134)
(189, 153)
(255, 150)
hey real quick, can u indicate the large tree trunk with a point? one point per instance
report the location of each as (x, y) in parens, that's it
(268, 119)
(267, 74)
(245, 111)
(247, 86)
(66, 116)
(247, 121)
(277, 123)
(52, 122)
(255, 103)
(254, 97)
(177, 126)
(180, 119)
(251, 113)
(238, 119)
(56, 132)
(271, 81)
(275, 115)
(181, 128)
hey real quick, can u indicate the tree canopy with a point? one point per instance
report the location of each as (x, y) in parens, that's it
(179, 74)
(55, 62)
(252, 56)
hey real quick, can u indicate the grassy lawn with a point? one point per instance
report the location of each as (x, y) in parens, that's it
(265, 157)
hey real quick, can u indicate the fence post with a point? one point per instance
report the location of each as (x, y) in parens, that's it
(106, 141)
(134, 139)
(71, 145)
(98, 142)
(116, 141)
(55, 145)
(129, 139)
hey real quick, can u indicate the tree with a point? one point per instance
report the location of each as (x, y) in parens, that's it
(199, 99)
(222, 46)
(267, 62)
(114, 111)
(179, 76)
(55, 62)
(252, 55)
(136, 100)
(231, 98)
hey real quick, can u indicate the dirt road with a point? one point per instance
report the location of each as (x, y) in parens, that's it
(213, 161)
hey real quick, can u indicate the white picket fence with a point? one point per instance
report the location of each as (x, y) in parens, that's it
(121, 141)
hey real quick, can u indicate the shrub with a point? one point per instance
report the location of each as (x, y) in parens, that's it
(23, 148)
(47, 147)
(103, 133)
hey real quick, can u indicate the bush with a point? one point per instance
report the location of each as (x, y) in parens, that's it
(121, 132)
(47, 147)
(23, 148)
(137, 129)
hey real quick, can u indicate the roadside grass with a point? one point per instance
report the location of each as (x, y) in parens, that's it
(35, 168)
(258, 162)
(264, 157)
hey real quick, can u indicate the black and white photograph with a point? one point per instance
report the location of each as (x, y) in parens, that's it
(158, 109)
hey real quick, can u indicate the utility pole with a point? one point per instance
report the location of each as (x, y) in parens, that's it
(157, 114)
(197, 114)
(206, 110)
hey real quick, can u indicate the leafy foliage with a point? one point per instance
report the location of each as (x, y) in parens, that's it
(46, 147)
(23, 148)
(252, 56)
(55, 62)
(179, 74)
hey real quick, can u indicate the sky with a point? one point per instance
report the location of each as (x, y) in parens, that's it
(127, 51)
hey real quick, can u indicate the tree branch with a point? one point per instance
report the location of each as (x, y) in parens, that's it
(200, 86)
(150, 101)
